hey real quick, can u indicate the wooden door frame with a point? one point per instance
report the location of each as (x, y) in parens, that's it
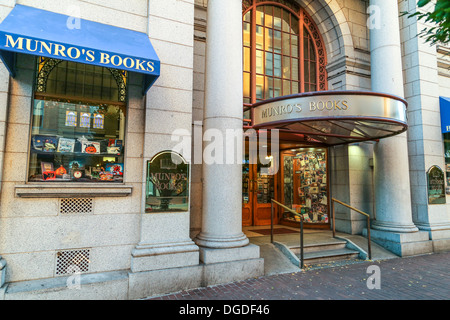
(253, 204)
(325, 226)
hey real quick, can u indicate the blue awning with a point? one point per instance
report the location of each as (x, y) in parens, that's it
(42, 33)
(445, 114)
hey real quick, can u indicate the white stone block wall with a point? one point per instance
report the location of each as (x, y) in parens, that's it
(130, 15)
(33, 230)
(425, 141)
(5, 8)
(168, 108)
(444, 70)
(169, 101)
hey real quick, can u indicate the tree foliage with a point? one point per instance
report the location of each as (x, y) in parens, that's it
(439, 18)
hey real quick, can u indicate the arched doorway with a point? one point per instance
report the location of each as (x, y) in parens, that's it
(283, 55)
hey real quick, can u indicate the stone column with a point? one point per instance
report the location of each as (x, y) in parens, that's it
(222, 195)
(222, 182)
(391, 165)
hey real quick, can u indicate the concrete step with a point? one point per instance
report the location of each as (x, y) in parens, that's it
(329, 255)
(326, 246)
(320, 251)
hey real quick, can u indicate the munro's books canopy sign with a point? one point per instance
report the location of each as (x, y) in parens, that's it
(28, 30)
(334, 117)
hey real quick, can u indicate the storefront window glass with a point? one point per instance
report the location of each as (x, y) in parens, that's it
(305, 187)
(281, 52)
(447, 160)
(78, 124)
(265, 181)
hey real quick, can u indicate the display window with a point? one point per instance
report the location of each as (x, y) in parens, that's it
(78, 123)
(305, 185)
(447, 161)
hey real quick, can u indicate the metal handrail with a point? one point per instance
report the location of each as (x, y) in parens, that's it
(301, 228)
(359, 211)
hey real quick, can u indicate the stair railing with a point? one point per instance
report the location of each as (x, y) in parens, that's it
(356, 210)
(301, 227)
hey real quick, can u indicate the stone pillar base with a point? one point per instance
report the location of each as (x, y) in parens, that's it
(164, 256)
(218, 266)
(232, 264)
(402, 244)
(395, 228)
(206, 241)
(440, 239)
(208, 255)
(158, 282)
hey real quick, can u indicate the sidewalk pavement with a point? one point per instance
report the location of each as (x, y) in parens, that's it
(425, 277)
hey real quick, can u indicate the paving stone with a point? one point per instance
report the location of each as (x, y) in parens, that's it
(425, 277)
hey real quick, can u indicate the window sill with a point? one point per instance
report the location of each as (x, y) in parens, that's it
(72, 191)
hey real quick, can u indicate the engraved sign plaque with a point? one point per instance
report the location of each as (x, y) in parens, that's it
(167, 187)
(436, 185)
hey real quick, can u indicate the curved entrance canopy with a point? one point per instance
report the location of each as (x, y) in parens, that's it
(333, 117)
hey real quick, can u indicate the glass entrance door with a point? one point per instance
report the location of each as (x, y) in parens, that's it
(259, 188)
(305, 186)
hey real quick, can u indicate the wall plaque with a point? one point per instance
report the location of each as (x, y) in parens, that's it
(167, 187)
(436, 185)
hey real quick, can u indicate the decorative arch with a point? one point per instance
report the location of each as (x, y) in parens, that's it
(307, 32)
(46, 66)
(321, 52)
(329, 11)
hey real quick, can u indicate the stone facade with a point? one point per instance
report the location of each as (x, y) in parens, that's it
(133, 254)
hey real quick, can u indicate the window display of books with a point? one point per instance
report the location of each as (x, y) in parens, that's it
(76, 159)
(55, 144)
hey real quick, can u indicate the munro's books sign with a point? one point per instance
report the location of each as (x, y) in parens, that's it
(167, 188)
(75, 53)
(436, 185)
(334, 117)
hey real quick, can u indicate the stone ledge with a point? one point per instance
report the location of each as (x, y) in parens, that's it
(106, 286)
(232, 271)
(164, 256)
(208, 255)
(157, 282)
(397, 236)
(402, 244)
(72, 191)
(441, 245)
(125, 284)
